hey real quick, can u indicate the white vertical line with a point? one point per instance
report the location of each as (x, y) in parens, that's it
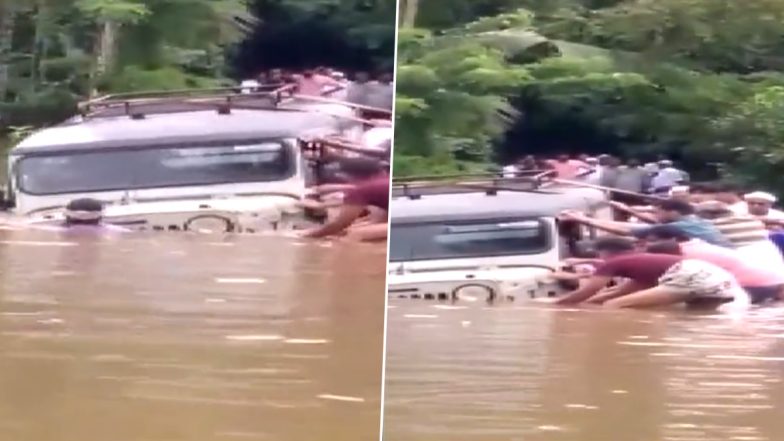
(389, 228)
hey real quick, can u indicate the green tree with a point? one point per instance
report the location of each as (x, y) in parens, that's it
(451, 95)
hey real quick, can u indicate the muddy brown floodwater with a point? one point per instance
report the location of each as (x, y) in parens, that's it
(535, 373)
(191, 338)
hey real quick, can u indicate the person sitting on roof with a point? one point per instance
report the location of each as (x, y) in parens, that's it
(567, 168)
(311, 83)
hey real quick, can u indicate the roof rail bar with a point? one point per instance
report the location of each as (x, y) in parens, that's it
(490, 183)
(358, 107)
(603, 188)
(207, 98)
(278, 97)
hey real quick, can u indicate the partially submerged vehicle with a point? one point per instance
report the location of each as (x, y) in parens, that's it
(479, 238)
(210, 160)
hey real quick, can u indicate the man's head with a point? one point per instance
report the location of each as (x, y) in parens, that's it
(759, 203)
(84, 212)
(664, 248)
(665, 163)
(680, 193)
(633, 163)
(672, 210)
(611, 246)
(651, 167)
(562, 158)
(729, 193)
(665, 233)
(712, 210)
(361, 77)
(385, 78)
(309, 73)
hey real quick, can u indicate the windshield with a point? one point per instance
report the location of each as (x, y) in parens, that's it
(118, 169)
(455, 240)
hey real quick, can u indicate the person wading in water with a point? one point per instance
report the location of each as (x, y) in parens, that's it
(86, 215)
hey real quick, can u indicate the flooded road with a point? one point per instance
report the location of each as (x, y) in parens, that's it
(530, 372)
(192, 338)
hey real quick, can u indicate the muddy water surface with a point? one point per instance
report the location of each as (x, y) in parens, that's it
(175, 337)
(535, 373)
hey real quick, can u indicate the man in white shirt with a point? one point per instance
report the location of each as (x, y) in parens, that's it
(668, 177)
(509, 171)
(759, 204)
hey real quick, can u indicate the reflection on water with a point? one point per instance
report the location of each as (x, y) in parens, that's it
(177, 337)
(533, 373)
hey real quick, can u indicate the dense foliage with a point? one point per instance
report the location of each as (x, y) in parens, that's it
(56, 52)
(696, 79)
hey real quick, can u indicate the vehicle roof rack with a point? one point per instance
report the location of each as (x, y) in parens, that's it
(491, 183)
(175, 101)
(273, 97)
(528, 181)
(572, 183)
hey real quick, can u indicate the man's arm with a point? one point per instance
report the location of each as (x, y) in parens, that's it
(585, 291)
(347, 215)
(619, 228)
(645, 217)
(621, 290)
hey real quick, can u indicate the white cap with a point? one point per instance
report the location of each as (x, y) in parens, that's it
(760, 196)
(679, 189)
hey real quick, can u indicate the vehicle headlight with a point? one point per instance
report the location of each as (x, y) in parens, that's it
(209, 224)
(474, 292)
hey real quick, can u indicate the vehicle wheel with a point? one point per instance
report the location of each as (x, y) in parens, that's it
(474, 291)
(210, 224)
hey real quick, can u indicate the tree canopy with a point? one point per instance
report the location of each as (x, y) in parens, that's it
(55, 52)
(695, 79)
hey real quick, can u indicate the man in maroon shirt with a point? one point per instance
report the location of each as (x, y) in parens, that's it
(652, 279)
(371, 193)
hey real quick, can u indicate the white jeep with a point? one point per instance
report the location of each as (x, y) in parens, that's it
(220, 163)
(476, 245)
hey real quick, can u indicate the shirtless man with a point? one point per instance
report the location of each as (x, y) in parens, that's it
(358, 199)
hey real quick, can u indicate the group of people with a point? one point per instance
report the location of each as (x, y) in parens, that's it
(700, 245)
(354, 195)
(607, 171)
(361, 88)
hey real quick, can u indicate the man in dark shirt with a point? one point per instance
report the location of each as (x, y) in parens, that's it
(654, 279)
(371, 193)
(621, 259)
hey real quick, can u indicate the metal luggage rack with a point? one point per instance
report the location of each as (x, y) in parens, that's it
(275, 97)
(533, 181)
(491, 183)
